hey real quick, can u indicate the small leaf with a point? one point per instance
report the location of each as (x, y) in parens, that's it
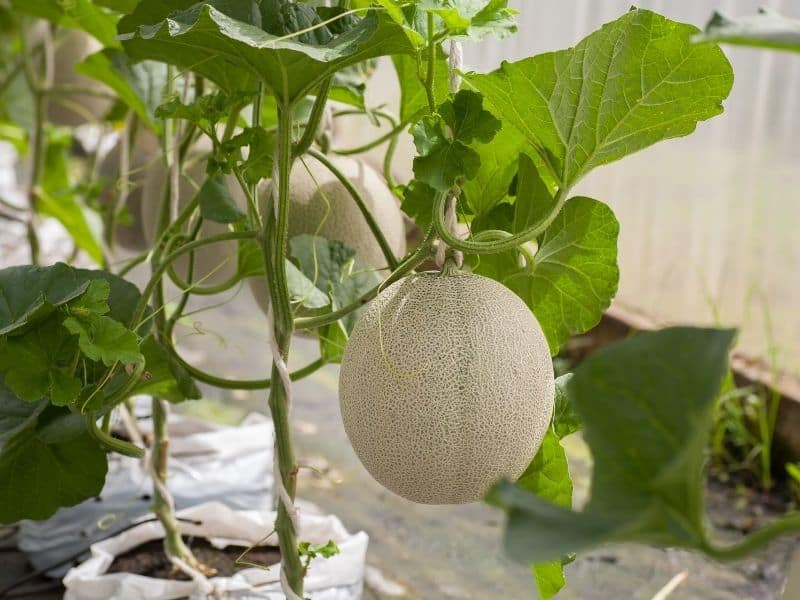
(302, 290)
(331, 266)
(34, 364)
(103, 339)
(94, 299)
(417, 203)
(441, 161)
(216, 202)
(767, 29)
(467, 119)
(31, 293)
(168, 379)
(549, 577)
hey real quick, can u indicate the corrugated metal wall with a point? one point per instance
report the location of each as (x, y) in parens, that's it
(710, 224)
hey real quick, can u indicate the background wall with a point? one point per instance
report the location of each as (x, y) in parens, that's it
(710, 223)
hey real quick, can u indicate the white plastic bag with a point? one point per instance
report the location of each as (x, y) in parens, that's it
(208, 463)
(337, 578)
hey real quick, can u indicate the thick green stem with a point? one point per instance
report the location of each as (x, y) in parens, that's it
(314, 119)
(507, 241)
(274, 247)
(388, 253)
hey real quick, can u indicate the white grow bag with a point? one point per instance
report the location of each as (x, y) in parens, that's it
(208, 463)
(337, 578)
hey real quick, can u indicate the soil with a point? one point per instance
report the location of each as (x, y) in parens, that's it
(149, 559)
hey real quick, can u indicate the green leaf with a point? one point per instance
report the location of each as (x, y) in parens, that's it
(575, 273)
(224, 42)
(647, 404)
(165, 377)
(461, 19)
(139, 85)
(332, 267)
(302, 290)
(94, 299)
(442, 142)
(767, 29)
(441, 161)
(549, 577)
(261, 147)
(489, 187)
(417, 203)
(534, 200)
(47, 459)
(103, 339)
(636, 81)
(36, 365)
(75, 14)
(216, 202)
(467, 119)
(566, 419)
(548, 477)
(57, 195)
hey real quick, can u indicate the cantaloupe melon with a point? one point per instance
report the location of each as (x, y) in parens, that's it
(446, 385)
(321, 205)
(213, 264)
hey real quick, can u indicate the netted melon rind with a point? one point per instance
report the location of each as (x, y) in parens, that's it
(458, 394)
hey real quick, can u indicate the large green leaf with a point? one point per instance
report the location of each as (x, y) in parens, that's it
(647, 404)
(574, 273)
(47, 459)
(224, 41)
(139, 85)
(634, 82)
(74, 14)
(767, 29)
